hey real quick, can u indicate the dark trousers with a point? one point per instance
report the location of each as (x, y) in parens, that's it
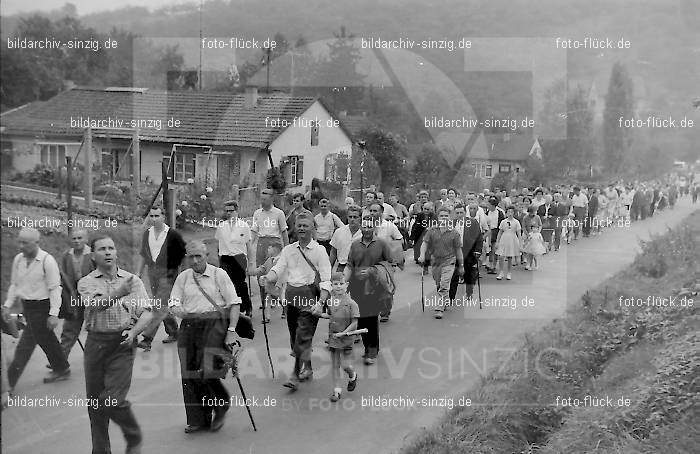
(469, 279)
(37, 332)
(370, 339)
(108, 367)
(579, 217)
(301, 324)
(161, 285)
(587, 225)
(235, 266)
(327, 245)
(201, 392)
(71, 330)
(302, 327)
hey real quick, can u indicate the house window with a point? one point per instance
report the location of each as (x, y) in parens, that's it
(314, 133)
(53, 155)
(251, 166)
(296, 167)
(504, 168)
(183, 167)
(117, 163)
(488, 171)
(483, 170)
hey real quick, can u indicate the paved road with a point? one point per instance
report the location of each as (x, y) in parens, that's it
(421, 358)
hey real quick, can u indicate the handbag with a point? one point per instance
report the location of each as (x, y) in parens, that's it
(244, 327)
(317, 276)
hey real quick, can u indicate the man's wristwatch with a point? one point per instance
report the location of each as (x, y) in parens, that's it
(231, 330)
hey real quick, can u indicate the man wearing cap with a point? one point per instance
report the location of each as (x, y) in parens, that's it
(269, 227)
(236, 251)
(35, 282)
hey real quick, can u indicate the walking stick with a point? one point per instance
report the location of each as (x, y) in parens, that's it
(478, 277)
(82, 347)
(267, 341)
(422, 291)
(233, 363)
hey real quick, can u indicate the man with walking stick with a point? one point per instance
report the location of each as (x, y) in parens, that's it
(470, 232)
(205, 298)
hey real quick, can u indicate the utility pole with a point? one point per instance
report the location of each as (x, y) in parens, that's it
(88, 167)
(199, 78)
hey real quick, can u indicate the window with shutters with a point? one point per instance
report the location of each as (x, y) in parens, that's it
(53, 155)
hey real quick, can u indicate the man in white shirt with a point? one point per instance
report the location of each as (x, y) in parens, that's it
(36, 282)
(269, 227)
(579, 208)
(236, 252)
(344, 237)
(306, 264)
(389, 212)
(326, 224)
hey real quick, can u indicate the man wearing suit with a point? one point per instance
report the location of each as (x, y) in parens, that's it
(75, 264)
(162, 250)
(558, 213)
(592, 211)
(470, 233)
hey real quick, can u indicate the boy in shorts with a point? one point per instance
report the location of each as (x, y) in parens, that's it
(342, 313)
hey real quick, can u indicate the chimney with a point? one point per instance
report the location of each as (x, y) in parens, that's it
(250, 98)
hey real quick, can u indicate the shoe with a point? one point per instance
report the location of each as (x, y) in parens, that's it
(219, 416)
(499, 277)
(352, 383)
(384, 318)
(306, 374)
(55, 376)
(283, 315)
(527, 267)
(491, 271)
(292, 354)
(508, 276)
(145, 345)
(370, 361)
(438, 314)
(192, 429)
(335, 395)
(170, 339)
(293, 385)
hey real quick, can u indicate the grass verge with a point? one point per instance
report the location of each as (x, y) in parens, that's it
(639, 363)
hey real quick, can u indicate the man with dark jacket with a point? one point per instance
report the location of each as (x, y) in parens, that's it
(162, 250)
(592, 211)
(470, 233)
(75, 264)
(425, 219)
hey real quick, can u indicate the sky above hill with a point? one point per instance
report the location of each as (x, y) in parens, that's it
(8, 7)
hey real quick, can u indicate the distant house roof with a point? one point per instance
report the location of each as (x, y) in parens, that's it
(205, 118)
(503, 147)
(354, 124)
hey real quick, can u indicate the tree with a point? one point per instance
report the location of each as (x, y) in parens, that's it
(338, 73)
(619, 104)
(580, 152)
(430, 169)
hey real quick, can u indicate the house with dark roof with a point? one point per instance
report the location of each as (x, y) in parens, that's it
(218, 138)
(502, 153)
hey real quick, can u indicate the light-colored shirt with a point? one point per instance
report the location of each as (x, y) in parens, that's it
(155, 242)
(388, 211)
(270, 222)
(492, 218)
(120, 316)
(579, 201)
(216, 284)
(39, 279)
(299, 272)
(326, 225)
(388, 231)
(233, 237)
(342, 240)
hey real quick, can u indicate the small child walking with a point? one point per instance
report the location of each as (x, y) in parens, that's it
(343, 314)
(508, 243)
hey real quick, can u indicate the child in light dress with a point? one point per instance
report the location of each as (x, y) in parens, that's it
(534, 247)
(508, 242)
